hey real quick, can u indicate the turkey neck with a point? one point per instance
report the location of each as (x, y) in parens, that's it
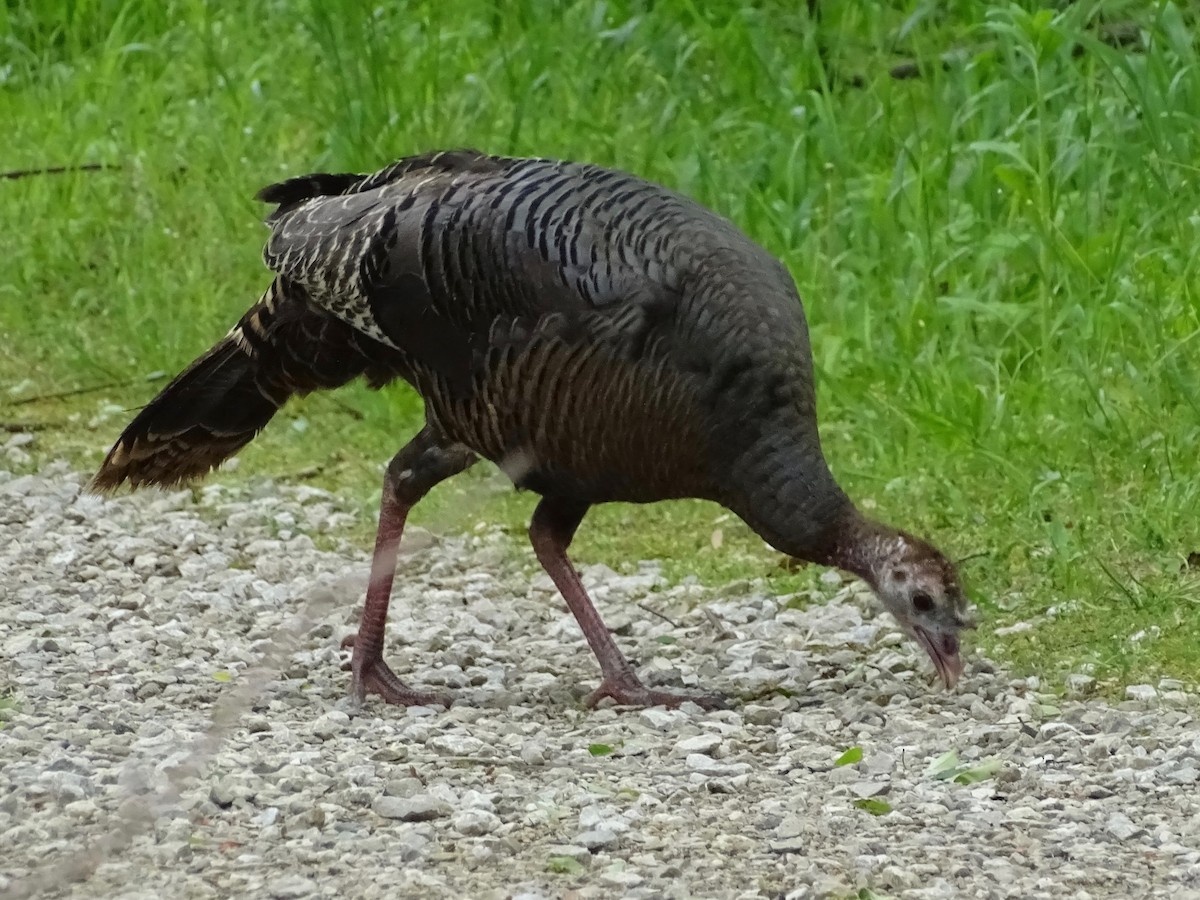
(783, 489)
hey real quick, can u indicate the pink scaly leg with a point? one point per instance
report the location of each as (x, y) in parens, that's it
(550, 531)
(423, 463)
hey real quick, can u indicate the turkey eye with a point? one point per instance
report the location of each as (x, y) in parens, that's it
(922, 602)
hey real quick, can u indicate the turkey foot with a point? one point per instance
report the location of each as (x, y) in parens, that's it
(628, 691)
(374, 676)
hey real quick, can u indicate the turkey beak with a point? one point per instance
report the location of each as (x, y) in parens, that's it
(952, 665)
(943, 650)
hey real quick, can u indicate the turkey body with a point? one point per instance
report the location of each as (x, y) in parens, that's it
(598, 337)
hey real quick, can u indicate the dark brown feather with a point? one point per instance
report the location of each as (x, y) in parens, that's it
(282, 346)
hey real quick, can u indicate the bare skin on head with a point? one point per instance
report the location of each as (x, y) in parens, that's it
(920, 588)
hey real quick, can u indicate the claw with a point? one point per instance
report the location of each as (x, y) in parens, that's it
(628, 691)
(374, 676)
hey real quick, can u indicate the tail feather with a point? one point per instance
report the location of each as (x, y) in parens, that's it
(200, 419)
(304, 187)
(294, 191)
(282, 346)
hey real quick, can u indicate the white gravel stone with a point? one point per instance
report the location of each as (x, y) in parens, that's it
(880, 763)
(1121, 827)
(701, 743)
(1080, 684)
(412, 809)
(762, 715)
(663, 719)
(457, 745)
(579, 854)
(330, 724)
(179, 727)
(474, 822)
(1183, 775)
(596, 839)
(292, 887)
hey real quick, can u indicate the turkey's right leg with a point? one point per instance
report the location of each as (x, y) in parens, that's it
(551, 531)
(411, 474)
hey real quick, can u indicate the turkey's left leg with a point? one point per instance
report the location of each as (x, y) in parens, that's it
(413, 472)
(550, 531)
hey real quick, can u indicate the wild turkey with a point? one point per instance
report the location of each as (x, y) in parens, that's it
(598, 337)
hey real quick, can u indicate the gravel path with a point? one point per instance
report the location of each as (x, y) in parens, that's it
(181, 730)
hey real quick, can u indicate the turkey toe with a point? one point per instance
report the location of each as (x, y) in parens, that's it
(631, 692)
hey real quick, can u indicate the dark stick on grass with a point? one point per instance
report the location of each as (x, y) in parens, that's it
(347, 409)
(1120, 35)
(90, 389)
(658, 615)
(57, 170)
(723, 631)
(308, 473)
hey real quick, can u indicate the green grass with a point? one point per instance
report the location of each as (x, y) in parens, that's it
(998, 257)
